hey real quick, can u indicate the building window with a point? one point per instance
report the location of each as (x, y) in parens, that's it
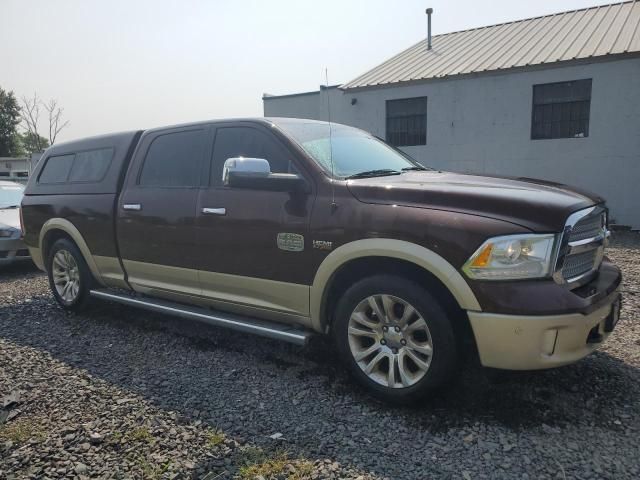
(407, 122)
(561, 110)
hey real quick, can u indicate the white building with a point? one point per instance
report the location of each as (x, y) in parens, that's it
(554, 97)
(15, 169)
(18, 169)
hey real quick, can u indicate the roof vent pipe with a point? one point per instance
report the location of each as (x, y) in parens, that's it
(429, 12)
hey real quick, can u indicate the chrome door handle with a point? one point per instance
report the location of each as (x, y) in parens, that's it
(132, 206)
(214, 211)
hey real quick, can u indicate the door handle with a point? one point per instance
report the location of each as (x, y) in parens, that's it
(132, 206)
(214, 211)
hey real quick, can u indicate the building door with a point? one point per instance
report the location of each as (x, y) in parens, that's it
(253, 244)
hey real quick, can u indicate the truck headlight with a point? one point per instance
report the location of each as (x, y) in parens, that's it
(6, 232)
(512, 257)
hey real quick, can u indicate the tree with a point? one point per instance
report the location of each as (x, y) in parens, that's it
(31, 118)
(30, 144)
(55, 120)
(9, 120)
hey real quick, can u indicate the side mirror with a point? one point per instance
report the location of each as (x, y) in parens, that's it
(246, 167)
(255, 173)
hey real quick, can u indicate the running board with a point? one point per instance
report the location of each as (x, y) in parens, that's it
(254, 326)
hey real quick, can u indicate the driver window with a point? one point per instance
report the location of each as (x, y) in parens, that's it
(247, 142)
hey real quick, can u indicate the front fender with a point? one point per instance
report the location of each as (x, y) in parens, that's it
(390, 248)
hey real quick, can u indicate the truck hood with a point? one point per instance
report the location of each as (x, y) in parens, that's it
(539, 205)
(10, 217)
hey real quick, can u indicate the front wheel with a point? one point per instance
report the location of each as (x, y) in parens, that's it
(69, 276)
(395, 337)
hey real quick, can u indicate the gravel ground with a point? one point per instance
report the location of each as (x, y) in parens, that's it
(122, 393)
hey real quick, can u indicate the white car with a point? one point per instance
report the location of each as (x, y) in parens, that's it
(12, 248)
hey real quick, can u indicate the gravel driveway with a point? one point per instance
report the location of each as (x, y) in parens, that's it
(122, 393)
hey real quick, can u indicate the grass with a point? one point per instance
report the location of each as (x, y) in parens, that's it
(151, 471)
(115, 437)
(20, 431)
(140, 434)
(214, 439)
(304, 470)
(259, 464)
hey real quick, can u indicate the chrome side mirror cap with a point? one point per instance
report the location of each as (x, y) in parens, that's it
(246, 167)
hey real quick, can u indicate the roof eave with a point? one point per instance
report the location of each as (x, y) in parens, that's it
(501, 71)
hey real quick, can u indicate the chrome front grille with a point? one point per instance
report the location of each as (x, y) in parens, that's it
(589, 227)
(578, 264)
(582, 247)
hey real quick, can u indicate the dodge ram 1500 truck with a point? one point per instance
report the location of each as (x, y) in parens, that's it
(285, 228)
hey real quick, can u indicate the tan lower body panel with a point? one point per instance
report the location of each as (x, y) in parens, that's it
(268, 299)
(259, 292)
(515, 342)
(239, 309)
(111, 271)
(144, 276)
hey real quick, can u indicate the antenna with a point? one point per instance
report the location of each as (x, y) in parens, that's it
(334, 205)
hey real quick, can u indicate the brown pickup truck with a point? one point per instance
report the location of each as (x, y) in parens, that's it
(287, 228)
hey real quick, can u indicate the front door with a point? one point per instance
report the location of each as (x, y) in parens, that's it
(157, 211)
(253, 244)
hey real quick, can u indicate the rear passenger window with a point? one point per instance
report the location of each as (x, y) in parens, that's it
(57, 169)
(247, 142)
(173, 160)
(91, 166)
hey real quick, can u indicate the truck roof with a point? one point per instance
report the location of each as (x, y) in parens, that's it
(89, 142)
(76, 144)
(123, 145)
(262, 120)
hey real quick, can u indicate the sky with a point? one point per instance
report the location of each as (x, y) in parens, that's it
(117, 65)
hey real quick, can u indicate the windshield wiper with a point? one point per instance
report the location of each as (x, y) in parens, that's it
(412, 169)
(374, 173)
(9, 206)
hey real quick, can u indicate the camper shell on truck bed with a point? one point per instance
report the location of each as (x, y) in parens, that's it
(90, 198)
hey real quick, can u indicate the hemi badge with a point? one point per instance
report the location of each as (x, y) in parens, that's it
(322, 245)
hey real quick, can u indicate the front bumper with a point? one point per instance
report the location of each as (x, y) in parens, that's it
(520, 342)
(12, 250)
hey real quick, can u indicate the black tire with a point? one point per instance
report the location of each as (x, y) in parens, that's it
(444, 355)
(85, 278)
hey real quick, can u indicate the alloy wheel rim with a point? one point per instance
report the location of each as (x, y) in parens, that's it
(390, 341)
(66, 276)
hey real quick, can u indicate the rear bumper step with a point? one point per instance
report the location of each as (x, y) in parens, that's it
(240, 323)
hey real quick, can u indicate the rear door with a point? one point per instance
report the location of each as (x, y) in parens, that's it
(253, 245)
(157, 211)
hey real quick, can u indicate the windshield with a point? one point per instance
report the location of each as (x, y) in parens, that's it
(352, 151)
(11, 195)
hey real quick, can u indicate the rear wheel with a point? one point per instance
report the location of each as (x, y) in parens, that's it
(395, 337)
(69, 276)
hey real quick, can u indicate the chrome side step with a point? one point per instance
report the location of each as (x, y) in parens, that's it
(219, 319)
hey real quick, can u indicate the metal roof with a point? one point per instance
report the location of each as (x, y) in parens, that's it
(578, 34)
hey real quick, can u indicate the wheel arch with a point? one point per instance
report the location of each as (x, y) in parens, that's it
(56, 228)
(362, 256)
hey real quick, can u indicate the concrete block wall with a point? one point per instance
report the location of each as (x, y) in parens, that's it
(482, 124)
